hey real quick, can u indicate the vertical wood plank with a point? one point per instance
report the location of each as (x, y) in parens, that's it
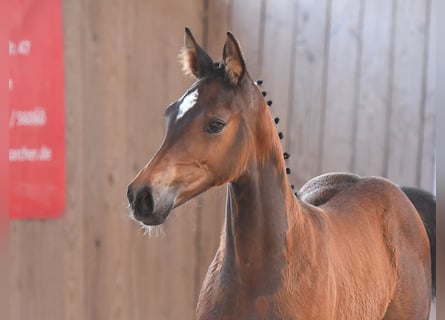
(341, 86)
(277, 59)
(74, 259)
(114, 251)
(306, 109)
(246, 28)
(219, 19)
(94, 146)
(407, 89)
(427, 165)
(374, 95)
(36, 269)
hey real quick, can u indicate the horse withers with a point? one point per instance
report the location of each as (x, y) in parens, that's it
(346, 248)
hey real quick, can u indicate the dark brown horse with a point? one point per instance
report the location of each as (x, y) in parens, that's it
(346, 248)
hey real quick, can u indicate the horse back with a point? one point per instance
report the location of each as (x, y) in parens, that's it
(346, 198)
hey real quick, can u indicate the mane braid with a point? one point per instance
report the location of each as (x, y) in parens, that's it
(276, 120)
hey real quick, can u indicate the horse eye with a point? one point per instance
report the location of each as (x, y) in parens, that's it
(215, 126)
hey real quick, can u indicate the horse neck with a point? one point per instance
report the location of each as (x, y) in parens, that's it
(258, 206)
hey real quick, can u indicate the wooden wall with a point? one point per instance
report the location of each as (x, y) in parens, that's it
(352, 81)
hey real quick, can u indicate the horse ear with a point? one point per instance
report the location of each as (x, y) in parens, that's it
(195, 61)
(233, 59)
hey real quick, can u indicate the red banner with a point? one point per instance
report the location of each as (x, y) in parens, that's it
(36, 117)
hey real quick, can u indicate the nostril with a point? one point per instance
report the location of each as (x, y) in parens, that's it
(144, 202)
(130, 196)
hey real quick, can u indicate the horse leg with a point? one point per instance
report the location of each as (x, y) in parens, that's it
(412, 297)
(398, 311)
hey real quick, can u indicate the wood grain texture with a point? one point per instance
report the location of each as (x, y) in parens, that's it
(246, 28)
(426, 174)
(307, 105)
(74, 237)
(36, 269)
(277, 56)
(374, 89)
(341, 85)
(407, 91)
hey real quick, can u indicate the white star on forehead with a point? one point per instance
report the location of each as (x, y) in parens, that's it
(188, 102)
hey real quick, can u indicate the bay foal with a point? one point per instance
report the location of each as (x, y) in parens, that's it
(346, 248)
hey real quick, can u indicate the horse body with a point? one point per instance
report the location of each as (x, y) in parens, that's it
(345, 248)
(314, 260)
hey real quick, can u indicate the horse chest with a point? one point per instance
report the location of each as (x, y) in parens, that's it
(238, 307)
(230, 300)
(225, 297)
(262, 310)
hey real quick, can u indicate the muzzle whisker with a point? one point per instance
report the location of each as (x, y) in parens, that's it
(153, 231)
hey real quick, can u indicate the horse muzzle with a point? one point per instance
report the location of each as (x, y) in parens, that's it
(150, 206)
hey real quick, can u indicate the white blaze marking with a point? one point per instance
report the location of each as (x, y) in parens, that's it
(187, 103)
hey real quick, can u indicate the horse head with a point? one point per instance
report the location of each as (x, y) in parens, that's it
(215, 131)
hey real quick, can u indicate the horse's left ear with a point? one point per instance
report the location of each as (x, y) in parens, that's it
(233, 59)
(195, 61)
